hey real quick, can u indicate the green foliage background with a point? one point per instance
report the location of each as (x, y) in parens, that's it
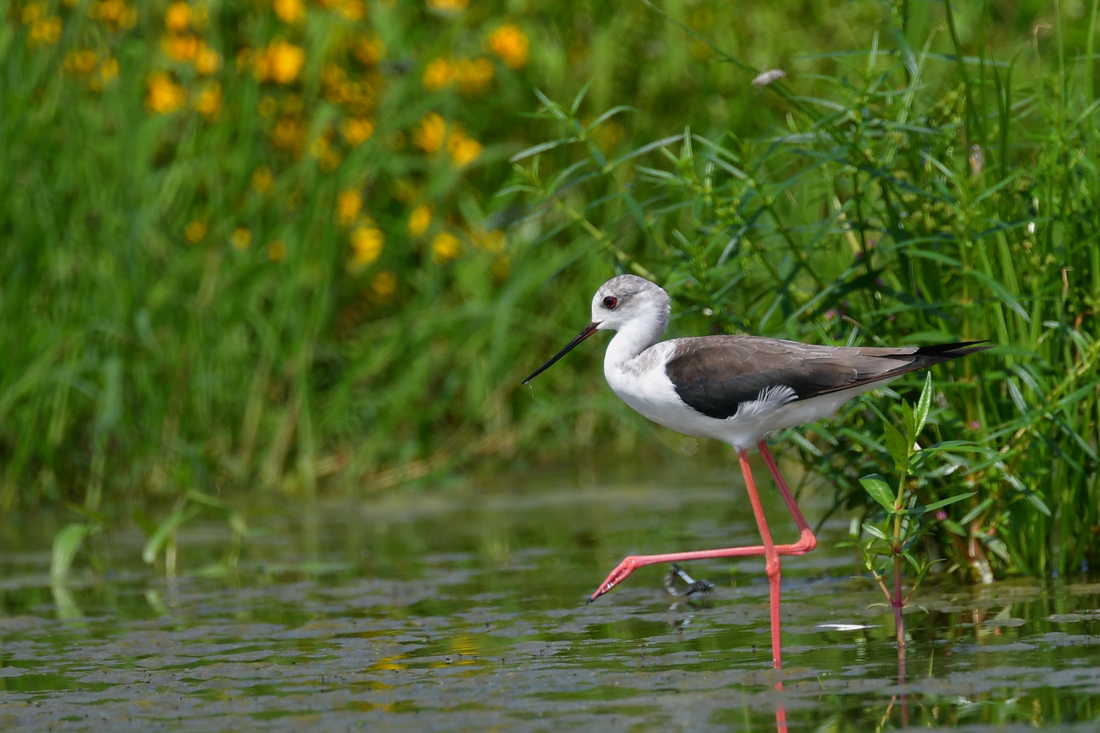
(213, 276)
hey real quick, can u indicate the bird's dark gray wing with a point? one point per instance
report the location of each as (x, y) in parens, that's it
(715, 375)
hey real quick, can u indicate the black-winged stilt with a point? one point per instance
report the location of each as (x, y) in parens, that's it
(735, 389)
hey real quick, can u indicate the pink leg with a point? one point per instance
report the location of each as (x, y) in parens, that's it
(771, 562)
(806, 543)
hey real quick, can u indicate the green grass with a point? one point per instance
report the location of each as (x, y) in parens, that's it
(181, 309)
(922, 195)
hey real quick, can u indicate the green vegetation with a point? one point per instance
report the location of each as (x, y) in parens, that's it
(260, 246)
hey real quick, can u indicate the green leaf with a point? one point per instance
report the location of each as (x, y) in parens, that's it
(880, 491)
(946, 502)
(164, 532)
(909, 421)
(898, 446)
(66, 544)
(976, 511)
(873, 531)
(954, 527)
(924, 404)
(1037, 501)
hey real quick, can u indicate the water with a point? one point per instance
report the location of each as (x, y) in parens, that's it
(467, 613)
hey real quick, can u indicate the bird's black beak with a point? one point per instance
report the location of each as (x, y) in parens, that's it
(588, 331)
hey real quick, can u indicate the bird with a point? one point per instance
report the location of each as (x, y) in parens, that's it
(737, 389)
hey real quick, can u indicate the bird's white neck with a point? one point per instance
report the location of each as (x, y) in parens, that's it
(633, 338)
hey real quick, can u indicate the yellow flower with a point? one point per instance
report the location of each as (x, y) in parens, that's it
(403, 191)
(280, 62)
(474, 75)
(195, 231)
(368, 49)
(267, 106)
(366, 243)
(80, 62)
(510, 43)
(438, 74)
(384, 284)
(207, 60)
(348, 205)
(178, 17)
(241, 238)
(262, 178)
(463, 149)
(357, 131)
(32, 11)
(115, 14)
(209, 100)
(276, 251)
(165, 95)
(289, 134)
(180, 48)
(429, 136)
(45, 31)
(492, 240)
(420, 219)
(448, 6)
(108, 72)
(444, 247)
(290, 11)
(350, 9)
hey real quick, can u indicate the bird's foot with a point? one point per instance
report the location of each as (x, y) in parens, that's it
(691, 585)
(618, 575)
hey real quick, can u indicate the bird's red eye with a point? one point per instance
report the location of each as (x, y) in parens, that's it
(610, 302)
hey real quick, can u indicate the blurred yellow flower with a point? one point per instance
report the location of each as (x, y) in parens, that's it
(404, 191)
(108, 72)
(45, 31)
(491, 241)
(463, 149)
(241, 238)
(181, 48)
(510, 43)
(349, 9)
(448, 6)
(80, 62)
(368, 49)
(438, 74)
(289, 134)
(115, 14)
(209, 100)
(444, 247)
(207, 60)
(367, 241)
(429, 136)
(276, 251)
(195, 231)
(267, 106)
(384, 284)
(262, 178)
(280, 62)
(420, 219)
(348, 205)
(474, 75)
(178, 17)
(290, 11)
(32, 11)
(165, 95)
(245, 59)
(357, 131)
